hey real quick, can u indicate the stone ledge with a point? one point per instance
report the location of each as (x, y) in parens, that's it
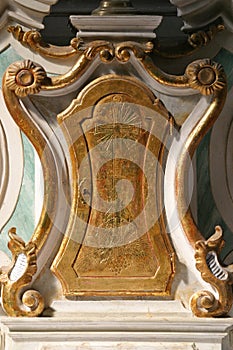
(61, 333)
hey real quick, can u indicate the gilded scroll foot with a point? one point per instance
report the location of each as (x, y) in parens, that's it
(14, 301)
(204, 303)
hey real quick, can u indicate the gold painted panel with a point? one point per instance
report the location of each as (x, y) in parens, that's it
(116, 241)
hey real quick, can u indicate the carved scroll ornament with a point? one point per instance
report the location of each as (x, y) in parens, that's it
(205, 303)
(16, 302)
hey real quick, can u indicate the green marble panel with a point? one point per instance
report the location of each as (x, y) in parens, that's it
(208, 214)
(23, 217)
(226, 59)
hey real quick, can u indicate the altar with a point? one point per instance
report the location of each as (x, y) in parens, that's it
(119, 236)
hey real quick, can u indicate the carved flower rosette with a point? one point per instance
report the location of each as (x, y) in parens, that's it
(25, 77)
(206, 76)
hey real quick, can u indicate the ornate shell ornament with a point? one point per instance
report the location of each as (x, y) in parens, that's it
(25, 77)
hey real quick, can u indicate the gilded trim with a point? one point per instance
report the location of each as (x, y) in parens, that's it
(180, 81)
(217, 87)
(107, 50)
(28, 79)
(33, 40)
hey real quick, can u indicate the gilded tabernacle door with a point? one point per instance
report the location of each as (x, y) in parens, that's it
(116, 242)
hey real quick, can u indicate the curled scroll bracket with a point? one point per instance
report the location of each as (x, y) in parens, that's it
(14, 301)
(204, 303)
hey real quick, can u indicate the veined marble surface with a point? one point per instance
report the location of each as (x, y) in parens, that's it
(208, 213)
(23, 216)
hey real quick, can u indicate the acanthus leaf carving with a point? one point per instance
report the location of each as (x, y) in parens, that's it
(202, 38)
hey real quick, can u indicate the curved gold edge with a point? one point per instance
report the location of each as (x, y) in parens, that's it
(195, 42)
(204, 303)
(21, 79)
(161, 77)
(33, 40)
(200, 74)
(106, 51)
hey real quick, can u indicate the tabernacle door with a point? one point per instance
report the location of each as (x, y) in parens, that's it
(116, 242)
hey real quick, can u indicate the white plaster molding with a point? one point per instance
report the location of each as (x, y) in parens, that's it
(11, 164)
(53, 136)
(200, 13)
(144, 333)
(183, 248)
(116, 27)
(221, 145)
(119, 309)
(39, 187)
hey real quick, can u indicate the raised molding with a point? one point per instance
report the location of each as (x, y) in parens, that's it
(146, 331)
(221, 144)
(200, 13)
(29, 13)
